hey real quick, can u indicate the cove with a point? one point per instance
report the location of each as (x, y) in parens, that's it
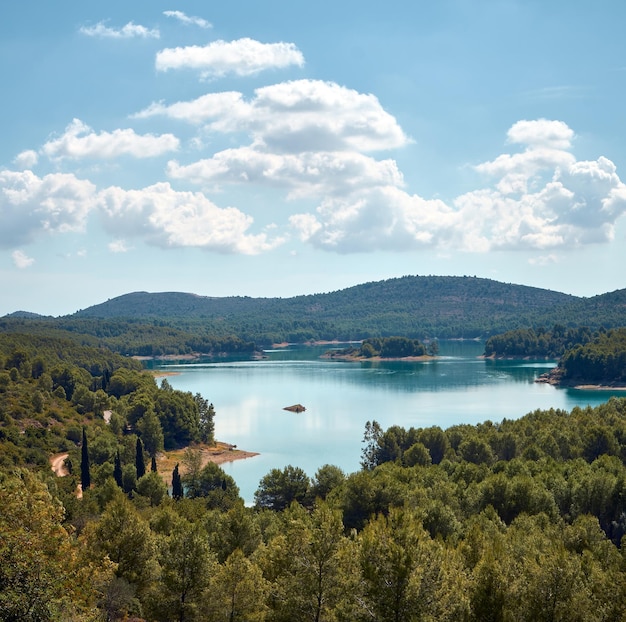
(459, 387)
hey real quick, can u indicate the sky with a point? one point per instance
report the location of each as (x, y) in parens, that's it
(279, 148)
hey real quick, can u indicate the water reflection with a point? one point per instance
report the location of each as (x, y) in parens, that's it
(459, 387)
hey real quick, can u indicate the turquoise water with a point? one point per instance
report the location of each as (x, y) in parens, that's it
(458, 387)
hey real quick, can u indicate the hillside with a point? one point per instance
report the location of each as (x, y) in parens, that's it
(417, 307)
(414, 306)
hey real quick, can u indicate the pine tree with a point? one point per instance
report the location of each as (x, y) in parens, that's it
(153, 464)
(117, 470)
(140, 464)
(85, 476)
(177, 485)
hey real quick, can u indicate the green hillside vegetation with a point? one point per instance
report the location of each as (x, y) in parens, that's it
(600, 360)
(585, 357)
(517, 520)
(416, 307)
(540, 343)
(385, 347)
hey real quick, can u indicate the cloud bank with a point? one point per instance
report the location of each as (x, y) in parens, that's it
(325, 150)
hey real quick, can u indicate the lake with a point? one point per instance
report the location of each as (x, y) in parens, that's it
(340, 397)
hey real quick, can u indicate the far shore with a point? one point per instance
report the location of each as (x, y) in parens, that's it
(335, 356)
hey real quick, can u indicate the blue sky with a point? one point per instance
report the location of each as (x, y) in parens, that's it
(281, 148)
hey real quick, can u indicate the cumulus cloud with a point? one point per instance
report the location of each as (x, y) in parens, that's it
(541, 133)
(32, 205)
(295, 117)
(540, 199)
(128, 31)
(243, 57)
(207, 107)
(26, 159)
(80, 141)
(309, 174)
(167, 218)
(21, 260)
(188, 20)
(543, 198)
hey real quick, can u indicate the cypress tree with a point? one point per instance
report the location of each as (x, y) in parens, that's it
(153, 464)
(177, 485)
(85, 476)
(117, 470)
(139, 460)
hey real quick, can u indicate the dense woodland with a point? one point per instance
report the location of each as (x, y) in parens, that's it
(416, 307)
(511, 520)
(584, 356)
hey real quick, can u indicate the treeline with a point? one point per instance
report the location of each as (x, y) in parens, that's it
(386, 347)
(134, 337)
(520, 520)
(602, 359)
(584, 356)
(541, 343)
(417, 307)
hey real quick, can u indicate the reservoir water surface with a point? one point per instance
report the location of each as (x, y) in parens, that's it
(340, 397)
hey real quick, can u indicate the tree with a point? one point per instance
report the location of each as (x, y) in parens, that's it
(125, 538)
(40, 579)
(371, 438)
(140, 463)
(85, 475)
(218, 489)
(153, 464)
(152, 486)
(151, 432)
(278, 489)
(117, 470)
(206, 413)
(177, 485)
(187, 565)
(238, 591)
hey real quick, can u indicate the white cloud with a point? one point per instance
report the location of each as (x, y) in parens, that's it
(210, 106)
(21, 260)
(118, 246)
(166, 218)
(30, 205)
(188, 20)
(26, 159)
(316, 173)
(128, 31)
(540, 199)
(295, 117)
(80, 141)
(541, 133)
(381, 218)
(243, 57)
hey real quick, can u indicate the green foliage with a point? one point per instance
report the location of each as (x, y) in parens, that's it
(279, 488)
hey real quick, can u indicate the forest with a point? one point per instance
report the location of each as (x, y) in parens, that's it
(585, 357)
(513, 520)
(416, 307)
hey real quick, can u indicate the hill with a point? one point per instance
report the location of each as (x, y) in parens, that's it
(417, 307)
(414, 306)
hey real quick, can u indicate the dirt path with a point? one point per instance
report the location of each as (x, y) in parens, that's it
(57, 462)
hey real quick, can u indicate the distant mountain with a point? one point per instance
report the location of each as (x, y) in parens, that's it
(417, 307)
(412, 306)
(25, 315)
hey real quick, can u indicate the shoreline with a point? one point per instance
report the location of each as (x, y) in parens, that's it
(220, 453)
(359, 359)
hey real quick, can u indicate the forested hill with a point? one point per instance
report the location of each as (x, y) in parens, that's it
(412, 306)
